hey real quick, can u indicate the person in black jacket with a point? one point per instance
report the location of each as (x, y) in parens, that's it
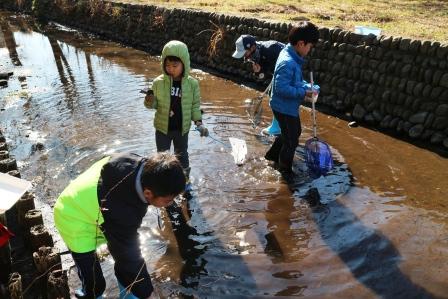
(262, 54)
(106, 204)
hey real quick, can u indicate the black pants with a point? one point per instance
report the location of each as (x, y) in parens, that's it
(180, 142)
(90, 274)
(284, 146)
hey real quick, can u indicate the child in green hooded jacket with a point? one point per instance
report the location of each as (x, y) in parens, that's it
(176, 98)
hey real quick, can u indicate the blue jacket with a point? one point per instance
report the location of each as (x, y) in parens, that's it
(288, 87)
(267, 54)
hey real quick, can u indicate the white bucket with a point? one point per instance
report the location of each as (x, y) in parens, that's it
(11, 189)
(366, 30)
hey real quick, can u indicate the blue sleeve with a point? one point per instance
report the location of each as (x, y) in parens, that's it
(283, 84)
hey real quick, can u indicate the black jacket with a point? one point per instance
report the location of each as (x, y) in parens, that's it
(123, 211)
(266, 55)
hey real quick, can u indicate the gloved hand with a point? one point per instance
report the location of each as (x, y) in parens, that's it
(203, 131)
(149, 101)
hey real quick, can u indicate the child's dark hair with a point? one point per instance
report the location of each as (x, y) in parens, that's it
(173, 59)
(163, 175)
(305, 31)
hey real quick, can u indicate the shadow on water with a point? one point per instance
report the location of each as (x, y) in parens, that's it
(370, 256)
(367, 253)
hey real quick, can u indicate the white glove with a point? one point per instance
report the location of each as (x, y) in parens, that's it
(311, 96)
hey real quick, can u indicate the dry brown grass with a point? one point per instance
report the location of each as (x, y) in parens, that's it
(97, 7)
(158, 21)
(65, 6)
(422, 19)
(218, 34)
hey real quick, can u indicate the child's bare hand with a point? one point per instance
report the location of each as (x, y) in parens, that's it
(308, 94)
(149, 101)
(256, 67)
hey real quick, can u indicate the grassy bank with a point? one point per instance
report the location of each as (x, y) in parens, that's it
(421, 19)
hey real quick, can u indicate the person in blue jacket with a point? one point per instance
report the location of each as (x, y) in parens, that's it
(263, 55)
(289, 89)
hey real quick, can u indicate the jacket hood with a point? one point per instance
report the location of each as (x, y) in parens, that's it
(178, 49)
(299, 59)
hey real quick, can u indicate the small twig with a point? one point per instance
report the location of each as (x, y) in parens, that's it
(129, 287)
(211, 30)
(40, 276)
(207, 284)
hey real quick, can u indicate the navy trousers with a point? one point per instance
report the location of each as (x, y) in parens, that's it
(283, 149)
(90, 274)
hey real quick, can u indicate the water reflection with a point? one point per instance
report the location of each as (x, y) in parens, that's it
(92, 85)
(67, 81)
(282, 240)
(10, 42)
(189, 249)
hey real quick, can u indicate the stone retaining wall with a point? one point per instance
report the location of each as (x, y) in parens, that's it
(391, 83)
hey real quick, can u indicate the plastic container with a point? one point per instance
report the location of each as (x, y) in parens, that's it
(366, 30)
(11, 189)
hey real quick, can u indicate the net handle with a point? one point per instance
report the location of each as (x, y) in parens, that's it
(266, 91)
(313, 106)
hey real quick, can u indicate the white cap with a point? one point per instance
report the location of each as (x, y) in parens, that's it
(243, 43)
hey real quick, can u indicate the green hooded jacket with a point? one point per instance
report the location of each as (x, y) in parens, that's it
(161, 87)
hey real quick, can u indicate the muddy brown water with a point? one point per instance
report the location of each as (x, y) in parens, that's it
(381, 232)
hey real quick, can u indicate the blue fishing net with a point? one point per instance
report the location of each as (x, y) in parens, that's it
(318, 157)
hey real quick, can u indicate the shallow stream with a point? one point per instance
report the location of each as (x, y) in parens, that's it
(381, 231)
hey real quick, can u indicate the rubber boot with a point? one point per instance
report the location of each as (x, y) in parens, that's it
(124, 294)
(286, 170)
(188, 187)
(79, 293)
(273, 129)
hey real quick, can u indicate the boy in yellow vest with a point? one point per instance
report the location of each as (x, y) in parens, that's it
(106, 204)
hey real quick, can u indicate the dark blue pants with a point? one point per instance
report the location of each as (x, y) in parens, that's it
(284, 147)
(180, 143)
(90, 274)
